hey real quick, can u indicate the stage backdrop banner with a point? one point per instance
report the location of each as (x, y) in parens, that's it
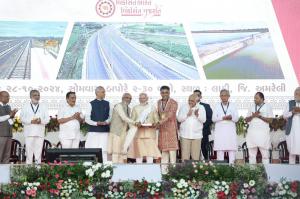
(136, 46)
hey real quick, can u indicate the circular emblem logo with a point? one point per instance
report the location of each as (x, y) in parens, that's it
(105, 8)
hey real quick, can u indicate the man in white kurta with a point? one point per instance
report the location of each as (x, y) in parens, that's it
(34, 116)
(98, 117)
(258, 134)
(225, 115)
(292, 114)
(191, 117)
(69, 118)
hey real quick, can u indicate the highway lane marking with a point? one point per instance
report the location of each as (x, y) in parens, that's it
(108, 69)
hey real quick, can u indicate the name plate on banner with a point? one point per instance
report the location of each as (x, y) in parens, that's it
(4, 173)
(149, 172)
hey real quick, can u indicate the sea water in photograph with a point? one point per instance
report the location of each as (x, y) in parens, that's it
(236, 50)
(28, 50)
(128, 51)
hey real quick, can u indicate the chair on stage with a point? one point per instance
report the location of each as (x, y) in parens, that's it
(246, 154)
(284, 153)
(82, 144)
(16, 150)
(58, 145)
(258, 155)
(46, 145)
(213, 154)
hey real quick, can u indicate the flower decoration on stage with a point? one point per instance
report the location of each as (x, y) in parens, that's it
(30, 189)
(248, 190)
(94, 180)
(219, 190)
(17, 125)
(283, 189)
(67, 188)
(182, 189)
(98, 170)
(241, 126)
(53, 125)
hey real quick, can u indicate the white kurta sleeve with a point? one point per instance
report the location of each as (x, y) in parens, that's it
(88, 119)
(249, 111)
(45, 118)
(182, 114)
(235, 114)
(270, 112)
(286, 112)
(61, 112)
(4, 118)
(202, 114)
(80, 111)
(110, 114)
(24, 116)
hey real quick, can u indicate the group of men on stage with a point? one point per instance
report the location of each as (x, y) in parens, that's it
(124, 133)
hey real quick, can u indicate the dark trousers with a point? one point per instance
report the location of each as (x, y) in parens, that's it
(5, 147)
(204, 146)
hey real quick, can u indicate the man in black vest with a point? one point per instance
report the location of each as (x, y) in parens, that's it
(206, 126)
(98, 118)
(6, 116)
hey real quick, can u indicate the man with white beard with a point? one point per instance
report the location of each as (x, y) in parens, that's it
(292, 114)
(144, 143)
(225, 115)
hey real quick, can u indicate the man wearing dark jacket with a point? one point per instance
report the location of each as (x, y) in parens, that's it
(206, 125)
(6, 116)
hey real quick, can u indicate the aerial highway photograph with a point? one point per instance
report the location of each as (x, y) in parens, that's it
(128, 51)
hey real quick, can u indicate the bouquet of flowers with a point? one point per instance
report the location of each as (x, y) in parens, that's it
(53, 125)
(241, 126)
(84, 128)
(277, 123)
(17, 125)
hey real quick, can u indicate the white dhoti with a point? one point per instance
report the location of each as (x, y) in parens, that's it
(69, 139)
(34, 146)
(70, 143)
(258, 136)
(293, 139)
(98, 140)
